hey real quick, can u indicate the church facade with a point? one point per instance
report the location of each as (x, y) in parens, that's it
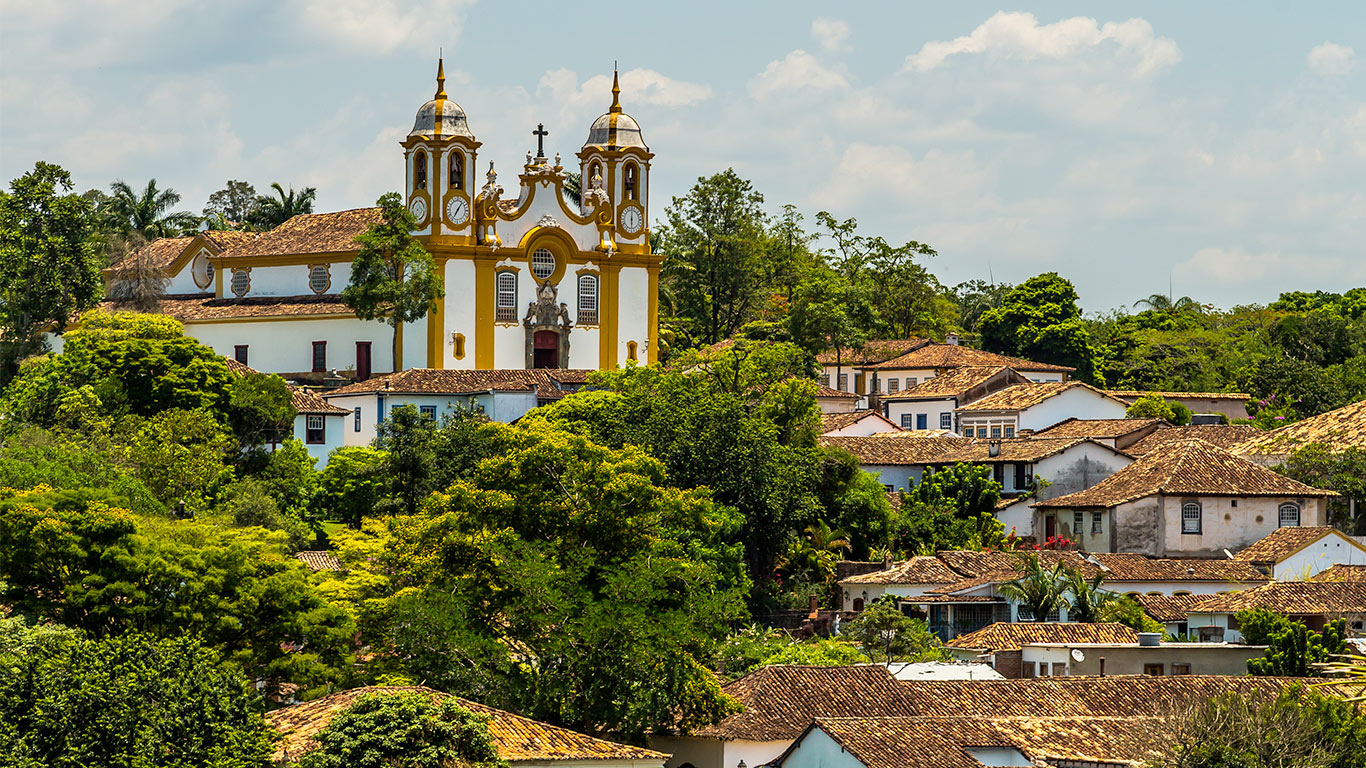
(532, 279)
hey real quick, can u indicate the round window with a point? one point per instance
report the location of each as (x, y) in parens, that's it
(542, 264)
(202, 271)
(319, 279)
(241, 282)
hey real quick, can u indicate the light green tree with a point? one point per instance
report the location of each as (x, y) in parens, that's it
(887, 634)
(404, 729)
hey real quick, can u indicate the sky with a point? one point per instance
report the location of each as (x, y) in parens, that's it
(1218, 148)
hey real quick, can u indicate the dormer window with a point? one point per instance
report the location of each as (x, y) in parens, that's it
(457, 168)
(420, 171)
(202, 270)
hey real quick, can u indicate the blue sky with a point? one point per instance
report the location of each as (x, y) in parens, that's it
(1221, 145)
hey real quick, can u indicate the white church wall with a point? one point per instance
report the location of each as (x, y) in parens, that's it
(633, 313)
(183, 280)
(414, 344)
(291, 280)
(584, 349)
(509, 346)
(460, 308)
(545, 204)
(286, 346)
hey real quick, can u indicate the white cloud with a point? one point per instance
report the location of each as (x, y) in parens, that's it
(638, 86)
(1020, 36)
(380, 26)
(831, 34)
(1331, 59)
(1287, 268)
(797, 73)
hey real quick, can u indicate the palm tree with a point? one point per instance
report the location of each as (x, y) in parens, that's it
(1159, 303)
(271, 212)
(147, 213)
(816, 553)
(1088, 599)
(1039, 589)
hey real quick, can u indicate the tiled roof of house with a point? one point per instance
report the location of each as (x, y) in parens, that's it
(972, 564)
(1226, 436)
(302, 400)
(446, 381)
(831, 392)
(1337, 430)
(1102, 428)
(1010, 636)
(1134, 394)
(871, 352)
(228, 238)
(953, 383)
(943, 742)
(831, 422)
(159, 252)
(923, 569)
(1022, 396)
(1341, 572)
(781, 700)
(516, 738)
(1128, 566)
(309, 233)
(191, 307)
(1298, 598)
(320, 560)
(935, 355)
(1168, 608)
(898, 449)
(1284, 542)
(1187, 468)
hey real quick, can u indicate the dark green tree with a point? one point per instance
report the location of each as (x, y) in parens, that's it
(1041, 320)
(407, 438)
(260, 409)
(269, 212)
(1292, 649)
(1087, 600)
(148, 212)
(1344, 472)
(393, 278)
(887, 634)
(353, 484)
(1038, 589)
(232, 205)
(404, 729)
(49, 270)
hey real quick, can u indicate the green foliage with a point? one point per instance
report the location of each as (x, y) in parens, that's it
(1088, 600)
(352, 484)
(393, 278)
(755, 646)
(49, 270)
(108, 572)
(407, 438)
(1125, 610)
(260, 410)
(231, 205)
(268, 212)
(1040, 320)
(885, 633)
(178, 454)
(1154, 406)
(577, 556)
(404, 729)
(1292, 650)
(813, 555)
(130, 700)
(953, 508)
(33, 457)
(1344, 472)
(148, 213)
(248, 502)
(1039, 589)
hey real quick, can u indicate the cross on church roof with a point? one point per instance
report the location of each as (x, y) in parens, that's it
(540, 133)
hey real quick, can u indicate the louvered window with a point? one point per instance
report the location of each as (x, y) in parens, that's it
(588, 300)
(506, 309)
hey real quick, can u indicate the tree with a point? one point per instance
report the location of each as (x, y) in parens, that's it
(1040, 320)
(148, 212)
(1040, 590)
(976, 297)
(564, 581)
(404, 729)
(48, 269)
(1292, 650)
(714, 256)
(883, 630)
(260, 409)
(126, 700)
(393, 278)
(406, 437)
(1088, 599)
(1154, 406)
(831, 313)
(1122, 609)
(232, 205)
(755, 646)
(179, 453)
(270, 212)
(353, 483)
(953, 508)
(137, 282)
(814, 554)
(1160, 303)
(1344, 471)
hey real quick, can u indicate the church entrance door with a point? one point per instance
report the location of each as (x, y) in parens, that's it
(547, 352)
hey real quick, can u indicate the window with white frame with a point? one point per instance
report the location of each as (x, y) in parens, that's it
(542, 263)
(906, 420)
(1078, 520)
(1010, 431)
(505, 310)
(1289, 514)
(316, 429)
(1190, 517)
(588, 300)
(429, 411)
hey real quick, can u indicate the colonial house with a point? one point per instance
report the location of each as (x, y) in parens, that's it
(501, 395)
(1226, 436)
(931, 404)
(521, 741)
(1034, 406)
(317, 424)
(1230, 405)
(831, 400)
(934, 359)
(1315, 603)
(839, 365)
(1297, 553)
(1184, 498)
(856, 424)
(1337, 431)
(1119, 434)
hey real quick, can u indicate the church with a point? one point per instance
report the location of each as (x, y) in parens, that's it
(532, 278)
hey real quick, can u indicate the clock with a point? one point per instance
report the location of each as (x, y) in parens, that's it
(418, 208)
(631, 220)
(457, 211)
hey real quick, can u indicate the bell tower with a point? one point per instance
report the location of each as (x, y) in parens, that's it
(616, 160)
(439, 159)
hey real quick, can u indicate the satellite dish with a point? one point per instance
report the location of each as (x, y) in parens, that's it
(1228, 554)
(1078, 656)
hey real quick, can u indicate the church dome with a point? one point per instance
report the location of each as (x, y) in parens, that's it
(615, 129)
(440, 118)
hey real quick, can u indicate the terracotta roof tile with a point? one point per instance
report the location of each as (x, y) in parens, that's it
(824, 391)
(871, 352)
(1341, 572)
(1189, 467)
(924, 569)
(1137, 393)
(1337, 430)
(831, 422)
(953, 383)
(1022, 396)
(1168, 608)
(192, 307)
(1226, 436)
(548, 383)
(1297, 598)
(935, 355)
(1102, 428)
(320, 560)
(227, 238)
(1127, 567)
(309, 233)
(160, 252)
(1284, 542)
(899, 449)
(517, 738)
(1008, 636)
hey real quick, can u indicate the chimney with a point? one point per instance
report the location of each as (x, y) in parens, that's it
(951, 339)
(815, 607)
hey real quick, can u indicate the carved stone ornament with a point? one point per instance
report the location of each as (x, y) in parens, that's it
(547, 221)
(547, 313)
(491, 190)
(595, 195)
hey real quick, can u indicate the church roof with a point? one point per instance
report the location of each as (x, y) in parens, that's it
(440, 118)
(309, 233)
(615, 129)
(192, 307)
(548, 383)
(159, 253)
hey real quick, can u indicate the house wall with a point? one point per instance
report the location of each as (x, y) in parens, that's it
(1203, 658)
(1077, 402)
(285, 280)
(871, 425)
(334, 434)
(1078, 468)
(1227, 526)
(836, 405)
(871, 592)
(1327, 551)
(933, 410)
(817, 750)
(700, 752)
(286, 346)
(900, 476)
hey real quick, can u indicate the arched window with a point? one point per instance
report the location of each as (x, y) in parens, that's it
(594, 172)
(505, 311)
(628, 181)
(457, 177)
(420, 170)
(588, 300)
(1290, 514)
(631, 351)
(542, 264)
(1190, 517)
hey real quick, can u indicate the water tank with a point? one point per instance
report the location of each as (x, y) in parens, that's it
(1149, 639)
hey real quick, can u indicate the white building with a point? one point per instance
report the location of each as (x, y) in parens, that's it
(318, 425)
(1036, 406)
(891, 365)
(1296, 553)
(932, 404)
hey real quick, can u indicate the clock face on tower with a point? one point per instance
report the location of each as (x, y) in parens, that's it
(631, 219)
(418, 208)
(457, 210)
